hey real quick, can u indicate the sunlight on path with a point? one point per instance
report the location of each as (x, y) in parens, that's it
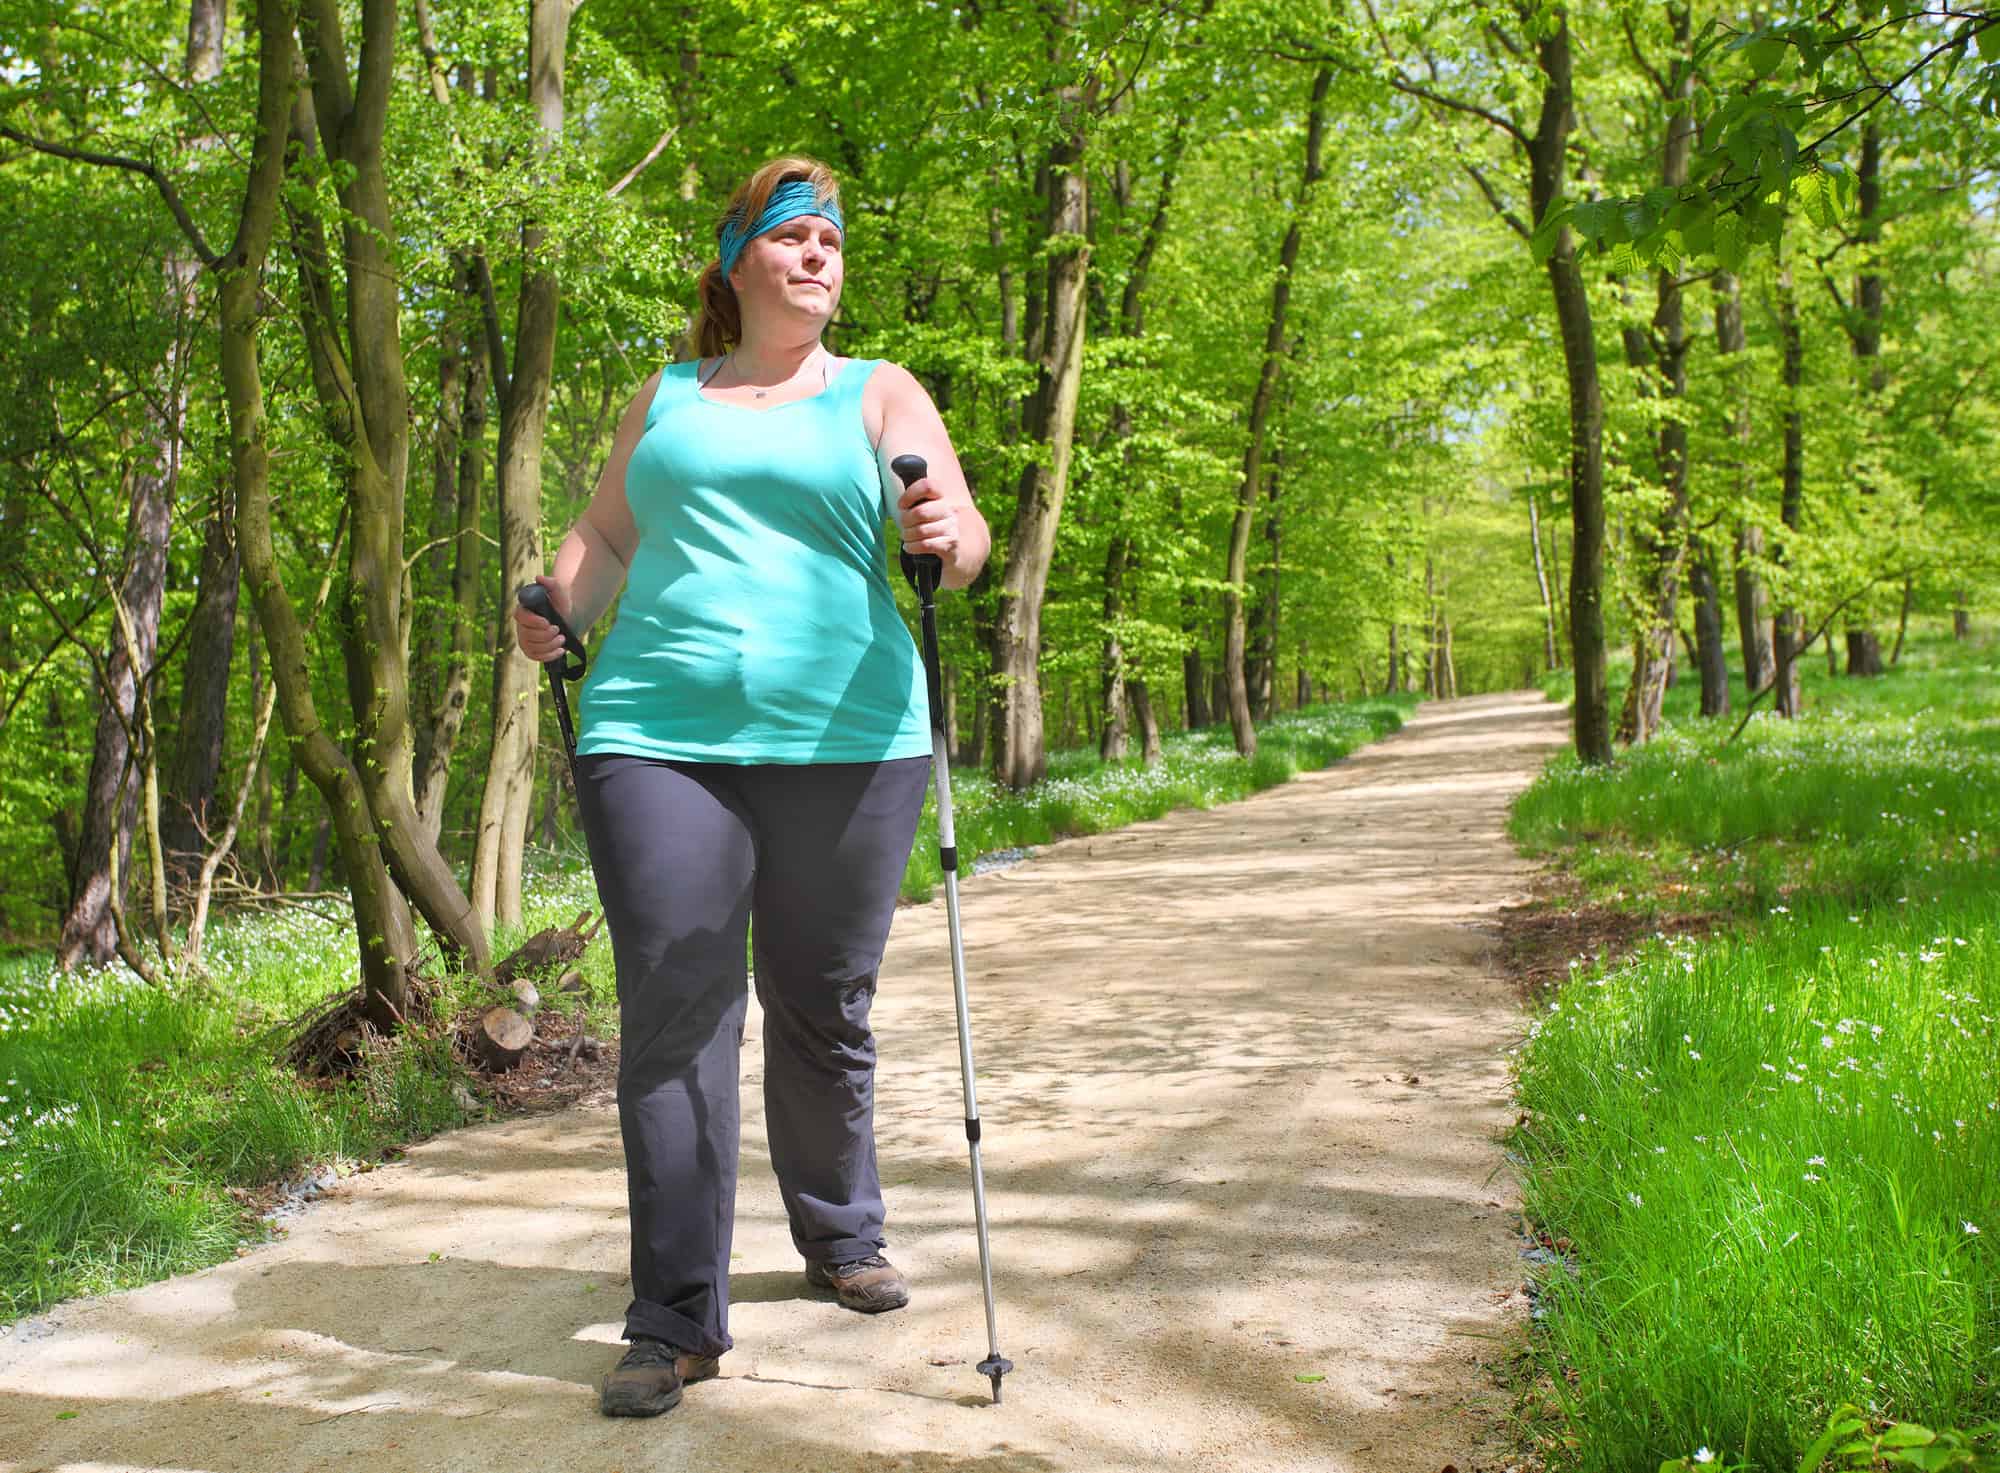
(1241, 1073)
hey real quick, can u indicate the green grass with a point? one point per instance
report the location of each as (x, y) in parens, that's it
(128, 1113)
(1775, 1153)
(1884, 789)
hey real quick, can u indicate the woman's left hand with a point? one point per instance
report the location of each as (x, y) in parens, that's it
(927, 521)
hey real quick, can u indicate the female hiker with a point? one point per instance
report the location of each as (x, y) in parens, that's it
(753, 752)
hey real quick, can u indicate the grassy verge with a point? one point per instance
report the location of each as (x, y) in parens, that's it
(1772, 1157)
(132, 1120)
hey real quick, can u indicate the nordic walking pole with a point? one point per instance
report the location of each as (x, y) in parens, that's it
(924, 573)
(568, 665)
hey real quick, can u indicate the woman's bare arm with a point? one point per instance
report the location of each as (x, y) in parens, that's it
(591, 564)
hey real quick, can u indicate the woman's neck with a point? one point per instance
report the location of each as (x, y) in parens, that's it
(766, 360)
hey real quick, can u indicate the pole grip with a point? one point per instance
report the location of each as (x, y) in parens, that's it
(570, 663)
(925, 571)
(911, 469)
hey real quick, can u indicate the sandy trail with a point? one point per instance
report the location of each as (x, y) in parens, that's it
(1242, 1074)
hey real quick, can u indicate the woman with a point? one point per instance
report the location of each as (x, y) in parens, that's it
(754, 747)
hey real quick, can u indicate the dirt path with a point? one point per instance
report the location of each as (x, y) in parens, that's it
(1242, 1074)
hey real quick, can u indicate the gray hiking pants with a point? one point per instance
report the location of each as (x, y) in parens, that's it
(687, 855)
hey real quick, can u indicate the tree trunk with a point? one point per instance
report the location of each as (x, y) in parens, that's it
(1864, 649)
(1542, 582)
(382, 919)
(1753, 606)
(1112, 745)
(364, 403)
(524, 409)
(104, 844)
(1590, 719)
(1264, 686)
(1021, 755)
(1251, 486)
(1194, 679)
(1961, 618)
(443, 659)
(1789, 629)
(204, 704)
(1149, 725)
(1663, 544)
(948, 688)
(1711, 656)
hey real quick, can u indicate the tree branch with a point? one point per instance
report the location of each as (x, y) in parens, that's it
(637, 169)
(182, 218)
(1639, 56)
(1493, 199)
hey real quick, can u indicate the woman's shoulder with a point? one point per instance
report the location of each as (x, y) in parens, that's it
(889, 381)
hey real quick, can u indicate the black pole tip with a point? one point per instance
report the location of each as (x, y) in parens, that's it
(993, 1369)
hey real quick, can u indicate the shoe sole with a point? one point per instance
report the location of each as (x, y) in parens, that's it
(704, 1370)
(649, 1407)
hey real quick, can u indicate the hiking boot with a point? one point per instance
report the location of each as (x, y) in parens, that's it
(649, 1379)
(870, 1285)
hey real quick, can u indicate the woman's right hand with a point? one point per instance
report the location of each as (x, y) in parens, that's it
(540, 640)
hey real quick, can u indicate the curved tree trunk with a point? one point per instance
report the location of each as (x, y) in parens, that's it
(364, 402)
(381, 918)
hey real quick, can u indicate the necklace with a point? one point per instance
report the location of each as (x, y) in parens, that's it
(757, 393)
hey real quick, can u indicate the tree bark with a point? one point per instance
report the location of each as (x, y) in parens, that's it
(443, 660)
(104, 842)
(1149, 725)
(1711, 656)
(364, 403)
(211, 640)
(1542, 582)
(1111, 747)
(382, 919)
(1864, 649)
(1663, 540)
(204, 705)
(524, 407)
(1021, 755)
(1590, 720)
(1251, 487)
(1789, 630)
(1753, 605)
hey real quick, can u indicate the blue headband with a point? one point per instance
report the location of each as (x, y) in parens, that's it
(793, 198)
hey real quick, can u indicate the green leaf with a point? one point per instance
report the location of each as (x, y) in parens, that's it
(1309, 1377)
(1699, 231)
(1766, 54)
(1815, 198)
(1543, 243)
(1987, 38)
(1845, 1421)
(1732, 246)
(1908, 1434)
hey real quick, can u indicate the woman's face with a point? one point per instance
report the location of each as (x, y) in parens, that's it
(794, 271)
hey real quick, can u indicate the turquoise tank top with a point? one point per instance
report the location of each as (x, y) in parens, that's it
(757, 622)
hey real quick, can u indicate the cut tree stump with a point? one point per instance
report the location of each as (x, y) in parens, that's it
(502, 1036)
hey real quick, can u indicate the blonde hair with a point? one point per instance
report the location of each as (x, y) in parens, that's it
(719, 319)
